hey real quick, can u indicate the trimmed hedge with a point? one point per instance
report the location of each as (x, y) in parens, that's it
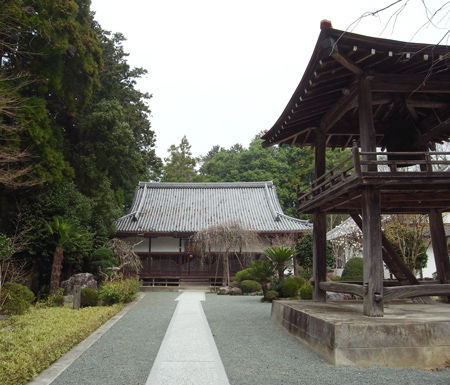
(306, 291)
(291, 286)
(271, 295)
(119, 291)
(16, 298)
(353, 270)
(250, 286)
(245, 275)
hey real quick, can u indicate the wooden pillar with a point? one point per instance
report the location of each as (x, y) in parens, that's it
(371, 213)
(439, 243)
(320, 225)
(372, 253)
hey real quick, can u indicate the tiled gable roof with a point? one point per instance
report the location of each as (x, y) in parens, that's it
(190, 207)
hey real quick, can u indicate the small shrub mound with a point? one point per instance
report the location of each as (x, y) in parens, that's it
(353, 270)
(89, 297)
(119, 291)
(245, 275)
(306, 291)
(250, 286)
(291, 286)
(16, 298)
(300, 280)
(57, 299)
(271, 295)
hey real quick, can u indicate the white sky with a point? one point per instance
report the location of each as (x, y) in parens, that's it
(222, 71)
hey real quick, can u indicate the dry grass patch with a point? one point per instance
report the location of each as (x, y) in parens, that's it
(29, 343)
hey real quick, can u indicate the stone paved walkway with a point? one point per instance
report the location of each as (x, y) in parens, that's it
(188, 353)
(254, 349)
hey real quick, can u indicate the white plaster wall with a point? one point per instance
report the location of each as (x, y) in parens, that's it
(142, 246)
(165, 244)
(257, 248)
(431, 265)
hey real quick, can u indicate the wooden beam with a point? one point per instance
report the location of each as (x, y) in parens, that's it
(320, 224)
(372, 253)
(426, 104)
(347, 63)
(439, 244)
(366, 126)
(407, 83)
(442, 129)
(370, 208)
(342, 287)
(415, 291)
(335, 113)
(390, 257)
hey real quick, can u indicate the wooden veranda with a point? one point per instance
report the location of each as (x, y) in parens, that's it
(390, 102)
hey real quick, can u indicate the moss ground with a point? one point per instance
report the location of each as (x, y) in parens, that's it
(29, 343)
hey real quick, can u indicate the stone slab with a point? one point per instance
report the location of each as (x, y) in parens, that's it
(188, 353)
(409, 335)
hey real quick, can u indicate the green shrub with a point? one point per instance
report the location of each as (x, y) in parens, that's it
(250, 286)
(289, 288)
(306, 291)
(234, 283)
(304, 272)
(300, 280)
(89, 297)
(245, 275)
(353, 270)
(119, 291)
(57, 299)
(16, 298)
(271, 295)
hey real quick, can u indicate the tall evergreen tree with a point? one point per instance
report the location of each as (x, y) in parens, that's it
(180, 164)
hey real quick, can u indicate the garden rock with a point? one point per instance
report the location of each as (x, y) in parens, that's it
(235, 291)
(84, 280)
(224, 290)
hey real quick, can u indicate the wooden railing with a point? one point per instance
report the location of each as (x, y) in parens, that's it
(401, 162)
(361, 163)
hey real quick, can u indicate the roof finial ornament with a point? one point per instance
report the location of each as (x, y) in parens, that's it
(325, 24)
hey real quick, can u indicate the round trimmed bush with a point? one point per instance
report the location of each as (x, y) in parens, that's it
(353, 270)
(245, 275)
(119, 291)
(306, 291)
(289, 288)
(271, 295)
(16, 298)
(250, 286)
(300, 280)
(89, 297)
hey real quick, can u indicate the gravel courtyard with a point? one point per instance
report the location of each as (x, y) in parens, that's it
(254, 349)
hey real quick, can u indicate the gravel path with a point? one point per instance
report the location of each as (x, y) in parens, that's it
(255, 350)
(125, 354)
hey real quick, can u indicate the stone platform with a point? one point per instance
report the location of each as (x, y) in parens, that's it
(409, 335)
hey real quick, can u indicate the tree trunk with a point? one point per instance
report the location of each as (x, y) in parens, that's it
(58, 257)
(226, 270)
(280, 274)
(295, 263)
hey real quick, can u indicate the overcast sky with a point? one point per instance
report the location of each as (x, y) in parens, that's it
(222, 71)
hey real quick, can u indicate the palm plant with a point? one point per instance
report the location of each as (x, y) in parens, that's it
(262, 271)
(65, 234)
(279, 256)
